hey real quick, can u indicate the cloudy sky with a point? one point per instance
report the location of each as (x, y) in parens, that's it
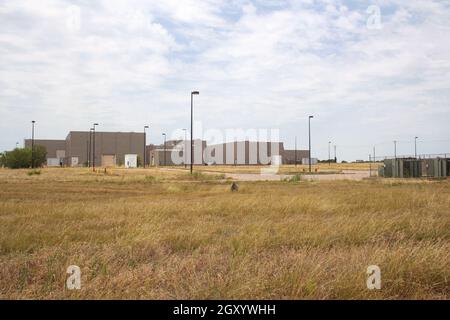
(369, 71)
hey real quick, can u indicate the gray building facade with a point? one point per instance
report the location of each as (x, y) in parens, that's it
(231, 153)
(78, 148)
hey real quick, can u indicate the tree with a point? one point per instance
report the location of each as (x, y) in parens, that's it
(40, 156)
(21, 157)
(2, 160)
(18, 158)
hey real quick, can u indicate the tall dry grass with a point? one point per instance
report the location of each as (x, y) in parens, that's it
(157, 234)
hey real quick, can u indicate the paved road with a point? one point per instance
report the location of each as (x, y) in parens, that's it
(345, 175)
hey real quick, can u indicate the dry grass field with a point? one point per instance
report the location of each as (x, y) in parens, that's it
(152, 234)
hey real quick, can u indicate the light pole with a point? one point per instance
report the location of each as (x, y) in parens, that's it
(32, 143)
(335, 159)
(87, 152)
(309, 136)
(93, 143)
(329, 155)
(184, 148)
(145, 135)
(415, 147)
(295, 150)
(90, 148)
(164, 148)
(192, 129)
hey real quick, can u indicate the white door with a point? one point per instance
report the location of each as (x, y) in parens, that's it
(74, 162)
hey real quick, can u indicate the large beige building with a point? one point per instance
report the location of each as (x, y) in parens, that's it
(232, 153)
(78, 148)
(111, 147)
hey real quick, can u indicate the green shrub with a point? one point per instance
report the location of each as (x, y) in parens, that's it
(21, 157)
(295, 178)
(34, 172)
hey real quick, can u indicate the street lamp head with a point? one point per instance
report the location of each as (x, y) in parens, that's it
(33, 121)
(311, 117)
(145, 127)
(163, 134)
(195, 92)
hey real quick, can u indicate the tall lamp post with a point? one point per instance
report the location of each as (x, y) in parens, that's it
(335, 157)
(184, 148)
(32, 143)
(192, 129)
(415, 147)
(90, 148)
(145, 135)
(329, 154)
(295, 150)
(164, 148)
(93, 144)
(309, 136)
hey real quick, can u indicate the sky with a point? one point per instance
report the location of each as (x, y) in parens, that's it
(370, 72)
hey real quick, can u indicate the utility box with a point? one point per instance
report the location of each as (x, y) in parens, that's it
(436, 168)
(412, 168)
(381, 171)
(131, 161)
(448, 167)
(415, 168)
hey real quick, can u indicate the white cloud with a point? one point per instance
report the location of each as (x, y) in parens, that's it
(257, 64)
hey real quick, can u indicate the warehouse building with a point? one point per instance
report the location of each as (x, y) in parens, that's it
(232, 153)
(114, 148)
(176, 152)
(56, 150)
(78, 148)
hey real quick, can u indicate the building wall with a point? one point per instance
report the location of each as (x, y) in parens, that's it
(157, 157)
(106, 143)
(242, 152)
(288, 156)
(174, 152)
(56, 149)
(77, 146)
(250, 152)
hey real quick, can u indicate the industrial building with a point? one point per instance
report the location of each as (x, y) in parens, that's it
(78, 148)
(231, 153)
(127, 149)
(415, 168)
(56, 150)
